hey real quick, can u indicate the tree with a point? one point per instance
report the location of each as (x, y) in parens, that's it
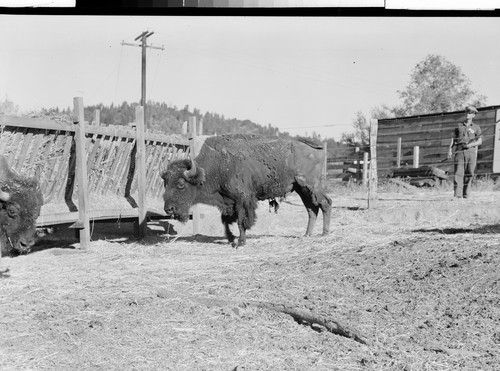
(360, 136)
(437, 85)
(9, 108)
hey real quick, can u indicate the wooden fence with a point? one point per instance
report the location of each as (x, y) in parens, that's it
(416, 141)
(48, 149)
(399, 139)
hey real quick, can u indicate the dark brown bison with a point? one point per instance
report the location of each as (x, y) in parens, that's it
(234, 172)
(20, 203)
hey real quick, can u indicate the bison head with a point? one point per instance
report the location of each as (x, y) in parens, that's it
(20, 203)
(182, 180)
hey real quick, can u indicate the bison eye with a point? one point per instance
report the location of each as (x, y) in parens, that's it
(12, 211)
(181, 184)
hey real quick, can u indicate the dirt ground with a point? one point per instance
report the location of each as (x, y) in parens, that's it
(416, 274)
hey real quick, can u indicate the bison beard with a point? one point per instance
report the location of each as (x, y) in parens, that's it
(234, 172)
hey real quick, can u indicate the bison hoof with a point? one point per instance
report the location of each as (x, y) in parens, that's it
(4, 273)
(236, 245)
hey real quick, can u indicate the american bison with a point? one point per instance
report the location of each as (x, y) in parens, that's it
(234, 172)
(20, 203)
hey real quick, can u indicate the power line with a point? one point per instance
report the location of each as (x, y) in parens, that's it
(155, 74)
(304, 72)
(118, 74)
(319, 126)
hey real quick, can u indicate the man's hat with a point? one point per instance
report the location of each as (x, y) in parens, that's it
(470, 109)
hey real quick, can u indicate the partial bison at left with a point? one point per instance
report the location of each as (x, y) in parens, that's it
(20, 203)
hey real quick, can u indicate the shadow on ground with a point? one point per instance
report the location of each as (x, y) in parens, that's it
(63, 237)
(480, 229)
(350, 208)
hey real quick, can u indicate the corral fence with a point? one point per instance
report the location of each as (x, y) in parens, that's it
(353, 168)
(424, 141)
(73, 160)
(420, 142)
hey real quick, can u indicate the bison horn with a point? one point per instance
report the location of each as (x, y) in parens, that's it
(4, 196)
(192, 170)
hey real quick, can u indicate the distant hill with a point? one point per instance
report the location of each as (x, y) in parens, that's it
(169, 119)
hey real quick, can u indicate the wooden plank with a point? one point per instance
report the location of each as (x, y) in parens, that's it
(92, 157)
(14, 148)
(147, 147)
(153, 168)
(125, 132)
(52, 157)
(99, 173)
(194, 150)
(416, 156)
(105, 165)
(398, 153)
(365, 169)
(5, 135)
(372, 188)
(115, 160)
(141, 170)
(431, 133)
(35, 123)
(166, 151)
(60, 174)
(24, 151)
(409, 139)
(81, 173)
(97, 117)
(126, 168)
(35, 152)
(148, 152)
(41, 174)
(121, 131)
(155, 189)
(49, 219)
(123, 168)
(496, 144)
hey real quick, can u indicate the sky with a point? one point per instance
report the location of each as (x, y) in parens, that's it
(299, 74)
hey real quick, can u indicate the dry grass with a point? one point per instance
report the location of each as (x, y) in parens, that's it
(416, 274)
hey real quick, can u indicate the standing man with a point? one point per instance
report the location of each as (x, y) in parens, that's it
(467, 137)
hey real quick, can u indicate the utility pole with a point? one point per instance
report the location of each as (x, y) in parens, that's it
(143, 36)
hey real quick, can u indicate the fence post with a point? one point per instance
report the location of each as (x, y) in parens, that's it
(193, 150)
(398, 155)
(372, 185)
(365, 169)
(141, 170)
(416, 156)
(81, 173)
(97, 117)
(199, 127)
(325, 161)
(358, 168)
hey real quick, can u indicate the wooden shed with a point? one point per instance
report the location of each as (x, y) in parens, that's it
(432, 133)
